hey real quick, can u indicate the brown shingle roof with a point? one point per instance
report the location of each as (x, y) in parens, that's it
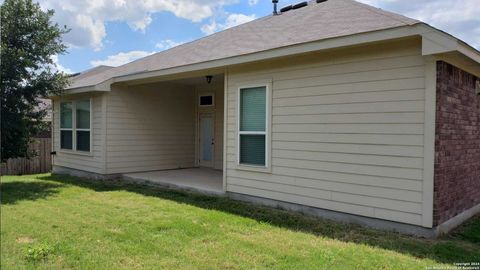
(334, 18)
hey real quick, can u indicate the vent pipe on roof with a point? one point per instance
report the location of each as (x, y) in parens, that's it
(275, 2)
(300, 5)
(285, 9)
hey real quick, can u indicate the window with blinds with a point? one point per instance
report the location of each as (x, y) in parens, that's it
(252, 126)
(66, 127)
(83, 125)
(75, 132)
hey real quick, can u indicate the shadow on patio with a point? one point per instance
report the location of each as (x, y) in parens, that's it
(456, 247)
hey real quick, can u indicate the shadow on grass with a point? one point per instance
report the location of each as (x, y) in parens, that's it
(12, 192)
(458, 247)
(470, 231)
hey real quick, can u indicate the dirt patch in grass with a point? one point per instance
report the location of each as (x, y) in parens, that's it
(24, 240)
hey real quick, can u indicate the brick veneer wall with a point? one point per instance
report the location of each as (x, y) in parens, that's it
(457, 143)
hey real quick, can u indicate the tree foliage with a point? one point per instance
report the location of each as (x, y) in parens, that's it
(29, 41)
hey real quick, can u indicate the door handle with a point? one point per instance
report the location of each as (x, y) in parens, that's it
(213, 141)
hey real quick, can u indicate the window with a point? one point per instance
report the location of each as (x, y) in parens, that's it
(66, 128)
(252, 126)
(75, 124)
(205, 100)
(83, 125)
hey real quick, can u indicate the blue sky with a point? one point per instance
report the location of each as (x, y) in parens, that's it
(113, 32)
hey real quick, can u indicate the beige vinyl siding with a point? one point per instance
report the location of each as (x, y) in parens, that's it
(90, 162)
(347, 131)
(150, 127)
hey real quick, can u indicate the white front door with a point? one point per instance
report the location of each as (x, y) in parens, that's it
(207, 140)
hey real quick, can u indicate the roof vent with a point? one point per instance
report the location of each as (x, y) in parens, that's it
(300, 5)
(287, 8)
(275, 2)
(321, 1)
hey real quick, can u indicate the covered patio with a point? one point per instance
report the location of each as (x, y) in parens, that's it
(204, 180)
(169, 133)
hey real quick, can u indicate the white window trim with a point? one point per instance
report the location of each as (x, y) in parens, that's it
(267, 132)
(206, 95)
(74, 128)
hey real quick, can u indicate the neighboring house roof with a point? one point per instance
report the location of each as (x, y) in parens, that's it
(317, 21)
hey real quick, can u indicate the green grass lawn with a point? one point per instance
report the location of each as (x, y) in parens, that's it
(59, 222)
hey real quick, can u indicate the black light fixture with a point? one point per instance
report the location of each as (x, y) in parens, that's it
(209, 78)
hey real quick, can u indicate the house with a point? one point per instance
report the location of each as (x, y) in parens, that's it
(334, 108)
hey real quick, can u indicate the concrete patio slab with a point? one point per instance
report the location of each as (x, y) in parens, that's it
(204, 180)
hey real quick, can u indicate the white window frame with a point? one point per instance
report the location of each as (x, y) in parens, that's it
(267, 132)
(206, 95)
(74, 128)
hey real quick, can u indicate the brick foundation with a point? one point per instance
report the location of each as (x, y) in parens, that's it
(457, 143)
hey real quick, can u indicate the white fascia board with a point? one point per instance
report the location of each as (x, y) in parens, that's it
(435, 41)
(469, 52)
(86, 89)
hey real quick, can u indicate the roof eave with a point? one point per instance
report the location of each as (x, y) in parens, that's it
(374, 36)
(86, 89)
(434, 42)
(451, 49)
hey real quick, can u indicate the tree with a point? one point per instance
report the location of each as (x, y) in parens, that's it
(29, 41)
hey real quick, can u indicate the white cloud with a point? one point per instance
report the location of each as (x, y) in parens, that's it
(231, 21)
(236, 19)
(210, 28)
(59, 67)
(120, 58)
(167, 44)
(252, 2)
(87, 18)
(88, 30)
(460, 18)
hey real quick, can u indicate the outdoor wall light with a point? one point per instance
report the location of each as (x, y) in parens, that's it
(209, 78)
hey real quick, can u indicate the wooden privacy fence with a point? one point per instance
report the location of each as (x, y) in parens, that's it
(40, 163)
